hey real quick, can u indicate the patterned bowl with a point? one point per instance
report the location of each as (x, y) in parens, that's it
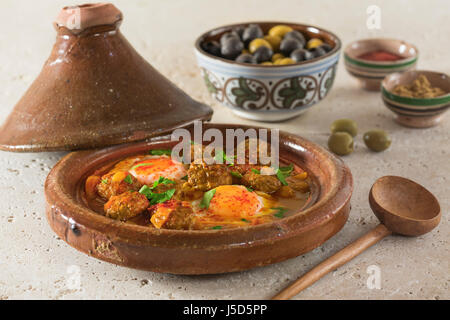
(415, 112)
(269, 93)
(371, 73)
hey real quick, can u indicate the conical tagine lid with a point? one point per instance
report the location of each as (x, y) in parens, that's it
(95, 90)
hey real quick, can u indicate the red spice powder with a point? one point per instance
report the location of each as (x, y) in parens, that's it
(380, 55)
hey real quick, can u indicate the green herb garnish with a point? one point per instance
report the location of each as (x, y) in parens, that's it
(256, 171)
(160, 152)
(155, 197)
(217, 227)
(282, 177)
(287, 170)
(105, 181)
(236, 174)
(185, 178)
(280, 212)
(245, 220)
(141, 165)
(128, 179)
(221, 157)
(249, 189)
(161, 180)
(204, 204)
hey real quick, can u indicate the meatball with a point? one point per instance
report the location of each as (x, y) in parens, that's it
(115, 183)
(182, 191)
(298, 184)
(126, 205)
(260, 182)
(172, 214)
(202, 177)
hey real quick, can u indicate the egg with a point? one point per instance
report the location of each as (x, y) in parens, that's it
(149, 170)
(236, 205)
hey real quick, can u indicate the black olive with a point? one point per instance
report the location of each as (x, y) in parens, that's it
(212, 47)
(231, 48)
(239, 30)
(253, 31)
(317, 51)
(245, 58)
(326, 47)
(290, 44)
(227, 36)
(262, 54)
(75, 229)
(299, 55)
(296, 35)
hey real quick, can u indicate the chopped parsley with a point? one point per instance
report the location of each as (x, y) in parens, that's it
(280, 212)
(256, 171)
(236, 174)
(217, 227)
(105, 181)
(287, 170)
(128, 179)
(221, 157)
(204, 204)
(160, 152)
(283, 172)
(185, 178)
(155, 197)
(245, 220)
(249, 189)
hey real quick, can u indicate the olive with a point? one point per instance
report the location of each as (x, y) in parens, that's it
(253, 31)
(239, 30)
(317, 52)
(245, 58)
(277, 56)
(212, 47)
(227, 36)
(341, 143)
(262, 54)
(313, 43)
(231, 48)
(299, 55)
(274, 41)
(284, 61)
(279, 30)
(377, 140)
(296, 35)
(267, 63)
(344, 125)
(289, 45)
(326, 47)
(258, 42)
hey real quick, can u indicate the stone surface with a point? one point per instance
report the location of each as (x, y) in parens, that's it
(36, 264)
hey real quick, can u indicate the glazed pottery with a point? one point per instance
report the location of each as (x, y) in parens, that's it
(95, 90)
(269, 93)
(416, 112)
(198, 251)
(370, 73)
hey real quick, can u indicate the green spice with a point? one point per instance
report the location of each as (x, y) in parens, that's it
(221, 157)
(245, 220)
(282, 177)
(256, 171)
(236, 174)
(155, 197)
(162, 180)
(185, 177)
(104, 181)
(249, 189)
(204, 204)
(280, 212)
(287, 170)
(160, 152)
(128, 179)
(217, 227)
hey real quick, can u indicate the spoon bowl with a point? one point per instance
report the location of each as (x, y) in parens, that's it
(404, 206)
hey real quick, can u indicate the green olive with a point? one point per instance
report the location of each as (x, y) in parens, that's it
(341, 143)
(345, 125)
(377, 140)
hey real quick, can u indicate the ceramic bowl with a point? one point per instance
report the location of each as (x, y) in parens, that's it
(415, 112)
(370, 73)
(198, 251)
(269, 93)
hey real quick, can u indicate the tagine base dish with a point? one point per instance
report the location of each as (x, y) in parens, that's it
(198, 251)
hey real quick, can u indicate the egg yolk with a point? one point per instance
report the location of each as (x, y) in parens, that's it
(149, 170)
(231, 201)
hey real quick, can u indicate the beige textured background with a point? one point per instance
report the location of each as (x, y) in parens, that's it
(34, 262)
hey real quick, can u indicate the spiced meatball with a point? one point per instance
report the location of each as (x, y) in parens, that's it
(172, 214)
(115, 183)
(261, 182)
(126, 205)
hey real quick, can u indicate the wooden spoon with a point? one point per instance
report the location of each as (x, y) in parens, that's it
(402, 206)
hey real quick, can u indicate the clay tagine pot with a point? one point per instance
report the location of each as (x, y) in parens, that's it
(95, 90)
(198, 251)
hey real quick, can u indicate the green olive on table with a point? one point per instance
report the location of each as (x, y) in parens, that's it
(344, 125)
(340, 143)
(377, 140)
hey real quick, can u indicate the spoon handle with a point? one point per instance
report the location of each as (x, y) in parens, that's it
(334, 262)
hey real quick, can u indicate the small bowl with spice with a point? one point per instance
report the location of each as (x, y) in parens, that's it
(370, 60)
(418, 98)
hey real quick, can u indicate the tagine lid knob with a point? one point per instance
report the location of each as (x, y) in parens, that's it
(79, 18)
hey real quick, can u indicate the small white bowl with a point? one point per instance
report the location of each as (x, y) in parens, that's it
(274, 92)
